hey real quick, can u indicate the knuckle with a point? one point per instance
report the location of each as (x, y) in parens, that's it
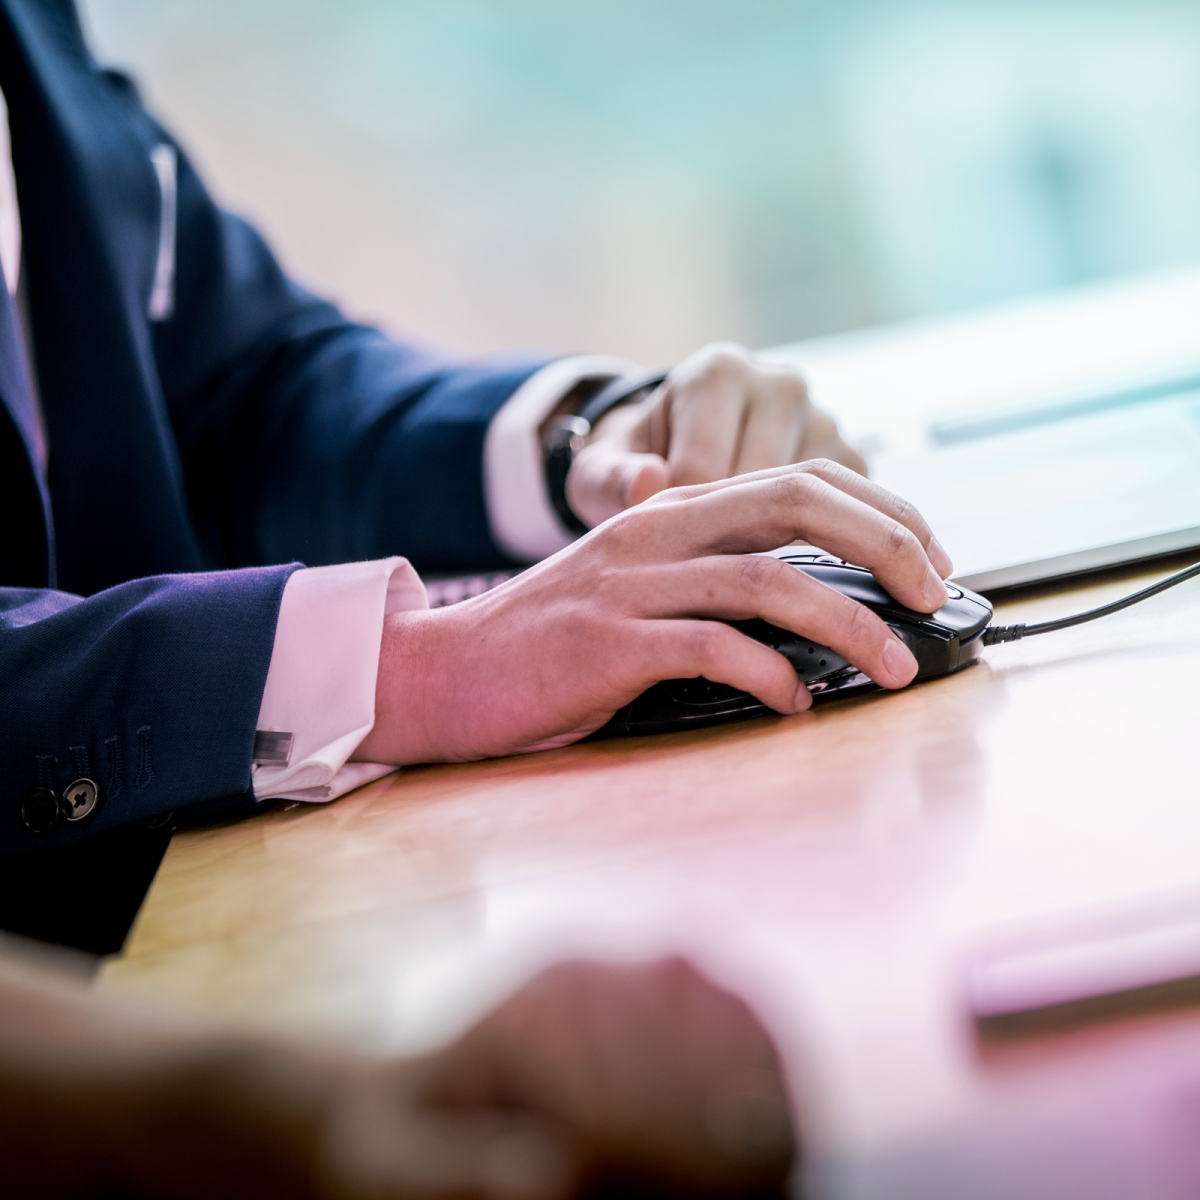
(899, 540)
(677, 494)
(621, 526)
(671, 970)
(757, 573)
(824, 468)
(905, 511)
(796, 488)
(627, 530)
(708, 641)
(667, 495)
(677, 978)
(861, 624)
(679, 967)
(725, 361)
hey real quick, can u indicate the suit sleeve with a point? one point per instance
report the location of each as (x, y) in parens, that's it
(307, 436)
(151, 689)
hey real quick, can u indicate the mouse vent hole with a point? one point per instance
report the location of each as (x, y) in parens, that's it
(822, 662)
(812, 649)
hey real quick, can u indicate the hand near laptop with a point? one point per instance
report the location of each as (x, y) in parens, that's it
(721, 412)
(548, 657)
(643, 1080)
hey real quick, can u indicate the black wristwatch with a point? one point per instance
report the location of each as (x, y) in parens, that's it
(566, 435)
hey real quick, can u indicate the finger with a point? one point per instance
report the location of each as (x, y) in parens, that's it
(763, 513)
(855, 483)
(685, 649)
(778, 413)
(737, 587)
(844, 480)
(823, 439)
(607, 477)
(782, 426)
(705, 406)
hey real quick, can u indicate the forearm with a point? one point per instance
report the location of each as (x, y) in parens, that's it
(339, 445)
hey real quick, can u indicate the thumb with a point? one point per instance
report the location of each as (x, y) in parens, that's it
(604, 480)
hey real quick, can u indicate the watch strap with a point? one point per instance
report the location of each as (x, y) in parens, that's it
(568, 434)
(619, 391)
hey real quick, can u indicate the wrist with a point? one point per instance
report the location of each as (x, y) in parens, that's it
(571, 426)
(407, 728)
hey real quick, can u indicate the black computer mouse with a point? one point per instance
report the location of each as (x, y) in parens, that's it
(942, 642)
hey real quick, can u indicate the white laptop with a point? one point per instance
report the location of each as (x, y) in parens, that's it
(1043, 439)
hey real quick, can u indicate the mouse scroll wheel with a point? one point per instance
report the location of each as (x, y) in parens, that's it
(814, 559)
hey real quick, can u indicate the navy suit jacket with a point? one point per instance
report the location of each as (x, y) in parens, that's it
(255, 426)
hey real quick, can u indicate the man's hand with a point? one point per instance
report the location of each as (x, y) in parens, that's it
(720, 413)
(642, 1078)
(548, 657)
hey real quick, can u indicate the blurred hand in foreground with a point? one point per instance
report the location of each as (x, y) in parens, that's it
(720, 413)
(644, 1079)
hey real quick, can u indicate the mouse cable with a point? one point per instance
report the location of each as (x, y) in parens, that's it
(1014, 633)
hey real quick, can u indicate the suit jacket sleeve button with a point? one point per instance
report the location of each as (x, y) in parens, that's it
(40, 810)
(79, 799)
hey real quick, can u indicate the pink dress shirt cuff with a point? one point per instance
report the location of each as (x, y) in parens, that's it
(321, 681)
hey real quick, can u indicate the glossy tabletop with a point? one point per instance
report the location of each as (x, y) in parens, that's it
(838, 867)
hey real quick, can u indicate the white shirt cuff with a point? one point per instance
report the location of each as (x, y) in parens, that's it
(523, 521)
(321, 681)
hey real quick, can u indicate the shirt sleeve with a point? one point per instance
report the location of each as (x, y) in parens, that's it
(321, 682)
(523, 521)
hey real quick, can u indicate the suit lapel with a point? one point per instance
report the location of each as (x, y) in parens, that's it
(89, 212)
(24, 496)
(15, 390)
(29, 558)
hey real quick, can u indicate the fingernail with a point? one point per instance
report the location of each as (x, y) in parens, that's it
(941, 560)
(898, 661)
(934, 590)
(803, 699)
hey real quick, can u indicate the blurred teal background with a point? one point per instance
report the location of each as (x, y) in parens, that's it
(642, 176)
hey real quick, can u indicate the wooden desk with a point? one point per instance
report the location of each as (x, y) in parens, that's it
(833, 866)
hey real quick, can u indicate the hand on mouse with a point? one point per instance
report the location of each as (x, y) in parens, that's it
(648, 1079)
(548, 657)
(721, 412)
